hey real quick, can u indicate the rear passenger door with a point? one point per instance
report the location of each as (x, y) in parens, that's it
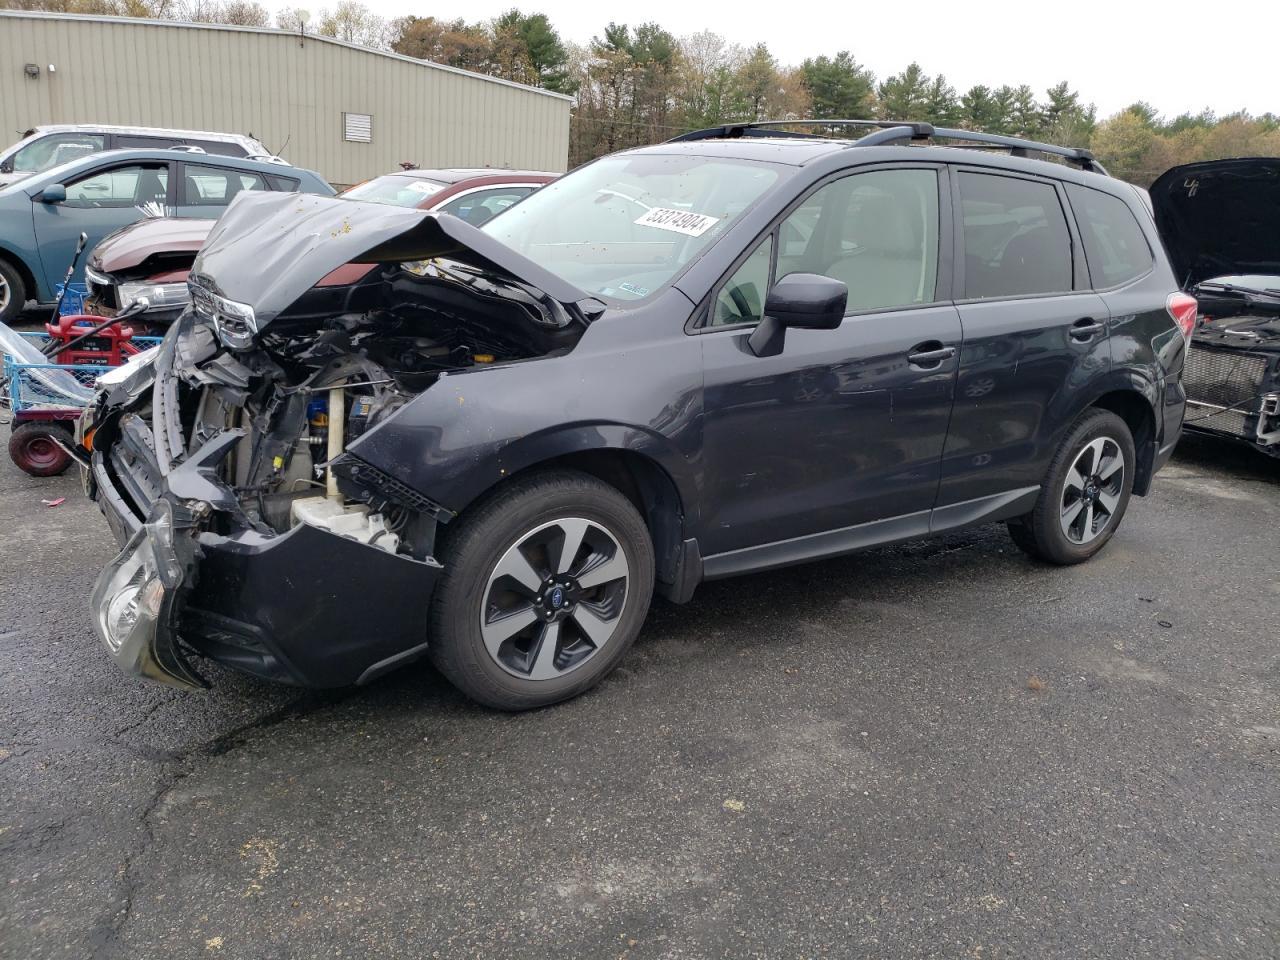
(204, 190)
(1034, 334)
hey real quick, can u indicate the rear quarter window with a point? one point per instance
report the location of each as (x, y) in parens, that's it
(1114, 245)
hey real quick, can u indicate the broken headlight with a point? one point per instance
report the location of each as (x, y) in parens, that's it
(159, 296)
(132, 598)
(234, 322)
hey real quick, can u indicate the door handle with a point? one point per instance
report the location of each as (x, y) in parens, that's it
(1084, 329)
(930, 354)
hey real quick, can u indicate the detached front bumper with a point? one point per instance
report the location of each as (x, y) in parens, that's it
(306, 607)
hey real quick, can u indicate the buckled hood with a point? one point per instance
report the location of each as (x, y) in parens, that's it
(1220, 217)
(268, 249)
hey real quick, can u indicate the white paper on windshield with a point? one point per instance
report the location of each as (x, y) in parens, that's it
(421, 186)
(677, 221)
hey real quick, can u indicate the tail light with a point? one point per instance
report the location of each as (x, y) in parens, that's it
(1183, 309)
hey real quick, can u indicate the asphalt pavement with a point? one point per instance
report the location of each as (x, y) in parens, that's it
(940, 749)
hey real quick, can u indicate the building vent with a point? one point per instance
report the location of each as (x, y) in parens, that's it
(357, 127)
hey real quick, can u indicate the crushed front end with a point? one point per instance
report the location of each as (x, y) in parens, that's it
(250, 535)
(237, 541)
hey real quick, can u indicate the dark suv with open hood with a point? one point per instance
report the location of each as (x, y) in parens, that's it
(382, 433)
(1220, 221)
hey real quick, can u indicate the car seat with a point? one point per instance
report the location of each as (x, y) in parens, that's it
(1032, 262)
(886, 268)
(150, 188)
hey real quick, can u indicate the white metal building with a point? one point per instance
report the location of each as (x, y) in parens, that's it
(346, 111)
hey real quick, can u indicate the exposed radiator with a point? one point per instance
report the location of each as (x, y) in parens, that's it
(1224, 378)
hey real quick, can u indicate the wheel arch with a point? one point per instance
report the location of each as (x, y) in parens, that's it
(24, 271)
(629, 461)
(1135, 409)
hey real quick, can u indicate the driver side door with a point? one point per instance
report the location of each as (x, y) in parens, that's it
(99, 202)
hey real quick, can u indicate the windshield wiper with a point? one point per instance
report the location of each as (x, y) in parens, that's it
(1269, 293)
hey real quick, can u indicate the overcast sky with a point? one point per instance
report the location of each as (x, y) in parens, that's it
(1112, 52)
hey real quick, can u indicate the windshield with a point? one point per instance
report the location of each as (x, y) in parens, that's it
(45, 152)
(624, 226)
(394, 189)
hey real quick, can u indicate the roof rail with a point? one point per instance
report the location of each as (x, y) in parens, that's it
(891, 131)
(1019, 146)
(759, 128)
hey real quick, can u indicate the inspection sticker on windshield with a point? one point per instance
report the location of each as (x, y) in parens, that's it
(678, 221)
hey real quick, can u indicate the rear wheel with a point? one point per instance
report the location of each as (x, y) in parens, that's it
(545, 587)
(34, 448)
(13, 292)
(1085, 493)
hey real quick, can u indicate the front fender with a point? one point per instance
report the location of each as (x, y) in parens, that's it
(22, 253)
(471, 430)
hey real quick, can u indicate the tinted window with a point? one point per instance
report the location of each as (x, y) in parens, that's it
(57, 148)
(877, 232)
(1113, 242)
(285, 184)
(216, 186)
(476, 208)
(741, 299)
(1016, 240)
(128, 186)
(218, 147)
(129, 141)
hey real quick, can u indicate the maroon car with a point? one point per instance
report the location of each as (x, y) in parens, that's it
(150, 259)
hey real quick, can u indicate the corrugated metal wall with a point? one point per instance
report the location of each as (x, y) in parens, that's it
(276, 86)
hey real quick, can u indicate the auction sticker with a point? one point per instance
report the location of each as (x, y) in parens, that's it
(678, 221)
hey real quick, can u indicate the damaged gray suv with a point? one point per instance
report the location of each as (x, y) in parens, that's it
(382, 433)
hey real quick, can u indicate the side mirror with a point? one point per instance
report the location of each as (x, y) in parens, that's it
(54, 193)
(6, 166)
(805, 300)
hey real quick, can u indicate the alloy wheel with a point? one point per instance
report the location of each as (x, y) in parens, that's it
(4, 294)
(554, 599)
(1092, 489)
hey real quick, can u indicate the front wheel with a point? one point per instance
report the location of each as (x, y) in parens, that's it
(1085, 493)
(544, 588)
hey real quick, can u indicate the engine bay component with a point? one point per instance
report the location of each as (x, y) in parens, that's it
(347, 520)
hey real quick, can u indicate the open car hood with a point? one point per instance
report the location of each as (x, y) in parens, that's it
(1220, 217)
(268, 249)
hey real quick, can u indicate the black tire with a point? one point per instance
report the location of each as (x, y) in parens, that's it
(13, 292)
(33, 448)
(471, 549)
(1041, 533)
